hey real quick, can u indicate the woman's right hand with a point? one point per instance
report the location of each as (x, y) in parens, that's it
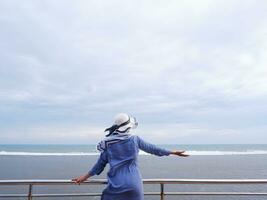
(80, 179)
(179, 153)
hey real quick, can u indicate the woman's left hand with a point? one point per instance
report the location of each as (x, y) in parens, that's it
(179, 153)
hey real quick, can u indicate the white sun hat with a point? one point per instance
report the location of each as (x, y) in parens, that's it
(122, 123)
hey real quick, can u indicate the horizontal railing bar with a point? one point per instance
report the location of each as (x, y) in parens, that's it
(145, 181)
(205, 181)
(82, 194)
(156, 193)
(50, 182)
(13, 195)
(147, 193)
(215, 193)
(67, 195)
(63, 195)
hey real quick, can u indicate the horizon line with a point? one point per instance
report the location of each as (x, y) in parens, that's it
(153, 143)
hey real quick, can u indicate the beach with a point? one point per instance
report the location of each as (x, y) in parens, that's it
(193, 167)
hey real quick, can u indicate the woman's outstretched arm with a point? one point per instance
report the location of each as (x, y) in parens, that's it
(153, 149)
(95, 170)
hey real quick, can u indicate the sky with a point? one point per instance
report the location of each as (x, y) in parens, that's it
(190, 71)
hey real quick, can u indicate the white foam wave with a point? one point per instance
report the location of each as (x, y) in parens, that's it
(197, 153)
(255, 152)
(12, 153)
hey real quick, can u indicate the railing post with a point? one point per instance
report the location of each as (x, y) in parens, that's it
(30, 192)
(162, 191)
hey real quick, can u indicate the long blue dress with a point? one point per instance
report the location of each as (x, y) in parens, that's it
(124, 177)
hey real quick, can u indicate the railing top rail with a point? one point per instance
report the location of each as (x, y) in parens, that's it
(145, 181)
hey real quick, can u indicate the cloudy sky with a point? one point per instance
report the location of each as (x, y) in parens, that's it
(190, 71)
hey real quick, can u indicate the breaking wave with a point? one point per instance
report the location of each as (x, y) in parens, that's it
(197, 153)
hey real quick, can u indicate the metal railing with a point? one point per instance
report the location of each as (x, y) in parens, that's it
(161, 182)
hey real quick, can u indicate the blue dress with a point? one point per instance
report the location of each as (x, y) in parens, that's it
(124, 177)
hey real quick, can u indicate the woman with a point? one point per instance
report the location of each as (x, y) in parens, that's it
(120, 150)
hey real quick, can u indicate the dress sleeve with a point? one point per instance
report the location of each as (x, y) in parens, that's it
(99, 165)
(151, 148)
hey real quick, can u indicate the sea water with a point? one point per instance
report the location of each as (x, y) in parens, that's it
(214, 161)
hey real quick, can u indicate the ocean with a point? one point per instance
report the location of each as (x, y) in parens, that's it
(235, 161)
